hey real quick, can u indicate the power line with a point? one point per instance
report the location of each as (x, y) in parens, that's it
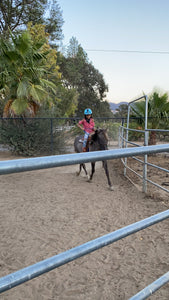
(127, 51)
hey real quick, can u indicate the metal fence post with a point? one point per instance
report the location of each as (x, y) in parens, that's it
(51, 135)
(145, 144)
(127, 134)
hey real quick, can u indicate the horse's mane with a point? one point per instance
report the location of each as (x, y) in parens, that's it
(94, 137)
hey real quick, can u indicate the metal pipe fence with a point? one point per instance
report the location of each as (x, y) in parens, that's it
(124, 141)
(152, 288)
(37, 163)
(21, 165)
(9, 281)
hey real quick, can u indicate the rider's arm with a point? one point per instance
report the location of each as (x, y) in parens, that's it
(79, 125)
(93, 124)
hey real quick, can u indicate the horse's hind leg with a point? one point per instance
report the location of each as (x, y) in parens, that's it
(84, 168)
(107, 174)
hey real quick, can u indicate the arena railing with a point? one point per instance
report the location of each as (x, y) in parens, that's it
(124, 142)
(20, 165)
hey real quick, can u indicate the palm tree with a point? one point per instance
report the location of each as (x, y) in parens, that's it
(158, 109)
(23, 76)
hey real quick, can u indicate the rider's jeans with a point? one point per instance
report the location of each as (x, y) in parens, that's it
(86, 135)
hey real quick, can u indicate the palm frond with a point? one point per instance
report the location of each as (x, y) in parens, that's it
(37, 93)
(23, 89)
(138, 108)
(19, 106)
(49, 84)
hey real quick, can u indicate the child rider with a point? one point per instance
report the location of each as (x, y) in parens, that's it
(88, 126)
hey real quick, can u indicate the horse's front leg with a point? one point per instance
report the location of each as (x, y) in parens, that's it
(107, 174)
(92, 170)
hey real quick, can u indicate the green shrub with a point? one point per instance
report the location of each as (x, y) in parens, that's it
(135, 135)
(32, 137)
(112, 128)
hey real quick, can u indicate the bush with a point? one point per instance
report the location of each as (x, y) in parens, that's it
(112, 128)
(135, 135)
(31, 137)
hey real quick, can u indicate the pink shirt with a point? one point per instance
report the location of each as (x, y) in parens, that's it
(88, 127)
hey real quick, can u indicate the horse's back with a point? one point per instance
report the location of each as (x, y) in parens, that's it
(78, 145)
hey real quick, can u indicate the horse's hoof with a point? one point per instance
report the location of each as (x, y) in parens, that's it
(88, 177)
(77, 173)
(111, 188)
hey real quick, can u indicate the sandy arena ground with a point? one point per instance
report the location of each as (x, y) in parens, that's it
(46, 212)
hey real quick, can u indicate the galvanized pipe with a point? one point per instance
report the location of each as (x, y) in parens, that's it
(49, 264)
(145, 144)
(153, 287)
(158, 130)
(135, 130)
(30, 164)
(159, 186)
(127, 137)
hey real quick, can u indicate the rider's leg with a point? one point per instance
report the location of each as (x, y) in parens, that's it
(86, 135)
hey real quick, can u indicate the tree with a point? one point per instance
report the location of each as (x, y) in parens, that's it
(68, 101)
(23, 83)
(65, 99)
(122, 111)
(158, 109)
(16, 14)
(39, 35)
(80, 74)
(54, 22)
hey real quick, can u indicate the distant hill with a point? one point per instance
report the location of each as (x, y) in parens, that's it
(114, 106)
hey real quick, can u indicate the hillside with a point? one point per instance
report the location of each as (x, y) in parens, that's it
(114, 106)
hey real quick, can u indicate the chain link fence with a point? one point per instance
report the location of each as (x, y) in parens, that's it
(51, 136)
(48, 136)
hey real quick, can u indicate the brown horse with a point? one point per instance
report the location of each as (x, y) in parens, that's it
(98, 141)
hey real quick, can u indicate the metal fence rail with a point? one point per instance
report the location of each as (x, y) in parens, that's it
(30, 164)
(124, 142)
(26, 274)
(152, 288)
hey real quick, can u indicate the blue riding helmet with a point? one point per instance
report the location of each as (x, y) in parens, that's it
(87, 111)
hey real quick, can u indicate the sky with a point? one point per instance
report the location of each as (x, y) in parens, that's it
(125, 25)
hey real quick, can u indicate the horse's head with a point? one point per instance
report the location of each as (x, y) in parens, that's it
(100, 138)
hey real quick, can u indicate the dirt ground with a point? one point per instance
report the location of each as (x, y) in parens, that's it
(46, 212)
